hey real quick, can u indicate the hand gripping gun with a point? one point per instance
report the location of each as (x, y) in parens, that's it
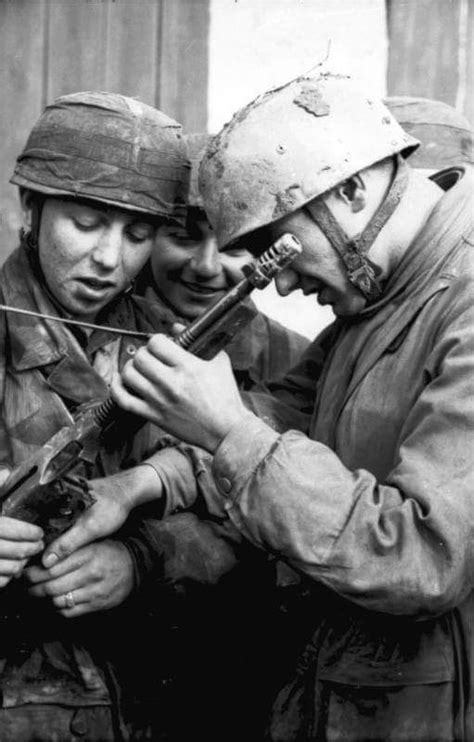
(44, 489)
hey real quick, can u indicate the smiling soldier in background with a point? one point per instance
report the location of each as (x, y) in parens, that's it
(99, 174)
(187, 274)
(220, 582)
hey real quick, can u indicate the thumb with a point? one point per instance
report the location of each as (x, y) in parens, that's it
(70, 541)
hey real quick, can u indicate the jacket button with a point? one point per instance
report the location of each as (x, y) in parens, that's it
(78, 725)
(131, 349)
(225, 484)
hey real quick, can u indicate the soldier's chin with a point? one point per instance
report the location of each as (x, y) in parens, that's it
(85, 311)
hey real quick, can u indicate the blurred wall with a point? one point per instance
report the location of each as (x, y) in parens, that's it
(155, 50)
(431, 51)
(199, 60)
(399, 47)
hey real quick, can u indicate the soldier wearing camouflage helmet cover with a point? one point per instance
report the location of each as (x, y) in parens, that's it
(98, 175)
(445, 134)
(369, 494)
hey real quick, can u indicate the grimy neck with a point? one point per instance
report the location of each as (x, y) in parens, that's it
(418, 201)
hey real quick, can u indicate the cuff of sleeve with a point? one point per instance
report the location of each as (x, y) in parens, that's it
(140, 571)
(176, 472)
(240, 453)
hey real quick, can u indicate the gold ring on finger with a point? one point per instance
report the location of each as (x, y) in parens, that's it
(69, 600)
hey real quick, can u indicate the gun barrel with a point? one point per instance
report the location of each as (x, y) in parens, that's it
(271, 262)
(259, 275)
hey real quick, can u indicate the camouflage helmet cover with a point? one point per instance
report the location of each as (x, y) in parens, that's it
(109, 148)
(289, 146)
(445, 134)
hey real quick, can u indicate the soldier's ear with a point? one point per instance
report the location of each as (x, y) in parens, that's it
(353, 193)
(26, 203)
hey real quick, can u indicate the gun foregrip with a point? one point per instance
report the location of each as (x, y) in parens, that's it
(216, 338)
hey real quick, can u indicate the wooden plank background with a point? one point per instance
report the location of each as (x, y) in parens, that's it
(155, 50)
(431, 51)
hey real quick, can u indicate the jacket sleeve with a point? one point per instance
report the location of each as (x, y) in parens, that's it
(402, 546)
(186, 471)
(181, 551)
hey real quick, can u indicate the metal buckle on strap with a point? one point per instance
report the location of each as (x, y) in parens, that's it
(363, 273)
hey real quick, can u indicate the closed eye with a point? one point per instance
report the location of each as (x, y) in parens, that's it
(140, 232)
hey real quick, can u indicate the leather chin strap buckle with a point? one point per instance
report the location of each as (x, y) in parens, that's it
(362, 272)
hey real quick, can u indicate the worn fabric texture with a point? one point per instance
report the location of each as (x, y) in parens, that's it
(376, 504)
(370, 499)
(210, 603)
(46, 374)
(57, 724)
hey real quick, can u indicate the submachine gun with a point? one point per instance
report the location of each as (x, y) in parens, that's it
(45, 489)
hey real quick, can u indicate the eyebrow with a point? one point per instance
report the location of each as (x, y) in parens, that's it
(134, 217)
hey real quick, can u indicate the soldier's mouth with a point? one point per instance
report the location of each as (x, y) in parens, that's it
(202, 288)
(95, 286)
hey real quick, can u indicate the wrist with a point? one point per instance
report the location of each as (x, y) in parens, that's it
(149, 483)
(129, 576)
(229, 424)
(139, 485)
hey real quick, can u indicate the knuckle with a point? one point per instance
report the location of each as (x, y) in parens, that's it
(175, 393)
(96, 572)
(63, 549)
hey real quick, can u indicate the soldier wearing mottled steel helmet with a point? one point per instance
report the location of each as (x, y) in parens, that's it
(368, 496)
(185, 275)
(446, 137)
(98, 175)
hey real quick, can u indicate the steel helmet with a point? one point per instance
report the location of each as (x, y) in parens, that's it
(445, 134)
(196, 144)
(289, 146)
(108, 148)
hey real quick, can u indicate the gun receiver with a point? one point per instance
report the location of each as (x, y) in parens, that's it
(44, 490)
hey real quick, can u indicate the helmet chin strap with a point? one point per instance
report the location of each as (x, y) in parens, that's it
(363, 273)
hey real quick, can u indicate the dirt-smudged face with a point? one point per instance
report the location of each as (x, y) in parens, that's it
(318, 270)
(89, 252)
